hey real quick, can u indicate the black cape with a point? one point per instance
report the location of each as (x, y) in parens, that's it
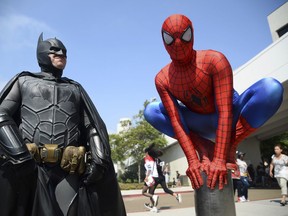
(100, 199)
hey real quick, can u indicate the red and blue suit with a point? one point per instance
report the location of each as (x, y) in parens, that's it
(200, 108)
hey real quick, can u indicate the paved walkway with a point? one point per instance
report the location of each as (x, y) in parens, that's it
(157, 191)
(269, 207)
(253, 208)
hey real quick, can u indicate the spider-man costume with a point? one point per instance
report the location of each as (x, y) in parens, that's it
(199, 104)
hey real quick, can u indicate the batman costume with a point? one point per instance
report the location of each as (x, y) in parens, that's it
(54, 147)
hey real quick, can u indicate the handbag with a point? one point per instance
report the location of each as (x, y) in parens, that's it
(150, 180)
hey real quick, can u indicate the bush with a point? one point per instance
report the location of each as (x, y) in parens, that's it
(131, 186)
(128, 176)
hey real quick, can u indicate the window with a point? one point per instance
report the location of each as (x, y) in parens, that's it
(282, 30)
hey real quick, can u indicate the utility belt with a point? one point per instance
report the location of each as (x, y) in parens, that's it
(72, 159)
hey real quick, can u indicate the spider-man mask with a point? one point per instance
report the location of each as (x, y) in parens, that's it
(177, 34)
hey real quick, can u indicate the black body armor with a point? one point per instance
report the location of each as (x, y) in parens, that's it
(50, 112)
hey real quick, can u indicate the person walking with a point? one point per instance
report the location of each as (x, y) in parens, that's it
(279, 164)
(161, 178)
(244, 175)
(178, 182)
(166, 172)
(149, 181)
(237, 184)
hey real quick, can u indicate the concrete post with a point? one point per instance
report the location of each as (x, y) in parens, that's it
(215, 202)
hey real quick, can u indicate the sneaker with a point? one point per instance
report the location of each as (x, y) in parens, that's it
(148, 206)
(179, 198)
(154, 209)
(155, 199)
(243, 199)
(240, 199)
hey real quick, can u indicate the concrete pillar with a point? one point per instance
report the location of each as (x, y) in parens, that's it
(215, 202)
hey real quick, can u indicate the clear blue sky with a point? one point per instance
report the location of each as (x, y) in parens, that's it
(115, 47)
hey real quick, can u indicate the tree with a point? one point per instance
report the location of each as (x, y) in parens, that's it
(132, 142)
(118, 149)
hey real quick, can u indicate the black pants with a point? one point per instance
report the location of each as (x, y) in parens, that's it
(17, 193)
(161, 181)
(238, 185)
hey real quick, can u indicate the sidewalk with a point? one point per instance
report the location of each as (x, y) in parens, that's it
(268, 207)
(253, 208)
(138, 192)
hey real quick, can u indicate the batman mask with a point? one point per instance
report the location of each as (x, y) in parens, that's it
(46, 47)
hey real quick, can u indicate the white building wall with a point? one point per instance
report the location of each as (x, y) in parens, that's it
(278, 19)
(252, 149)
(177, 161)
(271, 62)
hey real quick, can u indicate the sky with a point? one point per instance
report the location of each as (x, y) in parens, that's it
(115, 48)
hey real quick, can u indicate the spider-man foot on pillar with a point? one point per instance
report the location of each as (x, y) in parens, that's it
(198, 104)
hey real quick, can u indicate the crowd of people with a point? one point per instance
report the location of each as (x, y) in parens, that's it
(245, 176)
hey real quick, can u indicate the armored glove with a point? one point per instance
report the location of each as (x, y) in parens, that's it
(94, 173)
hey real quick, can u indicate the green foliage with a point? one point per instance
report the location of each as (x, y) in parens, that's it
(267, 146)
(116, 144)
(128, 175)
(132, 142)
(130, 186)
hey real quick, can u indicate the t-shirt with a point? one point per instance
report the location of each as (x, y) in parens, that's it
(280, 166)
(150, 164)
(242, 167)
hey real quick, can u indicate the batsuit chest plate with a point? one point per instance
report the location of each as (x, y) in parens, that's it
(50, 111)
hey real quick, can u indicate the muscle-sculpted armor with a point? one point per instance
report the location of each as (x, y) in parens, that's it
(50, 112)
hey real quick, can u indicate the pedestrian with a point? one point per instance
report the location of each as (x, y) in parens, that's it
(279, 165)
(251, 172)
(149, 181)
(173, 183)
(244, 175)
(166, 172)
(260, 171)
(178, 176)
(161, 178)
(237, 183)
(48, 125)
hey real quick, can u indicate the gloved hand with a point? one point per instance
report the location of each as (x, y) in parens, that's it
(217, 173)
(205, 165)
(94, 173)
(193, 172)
